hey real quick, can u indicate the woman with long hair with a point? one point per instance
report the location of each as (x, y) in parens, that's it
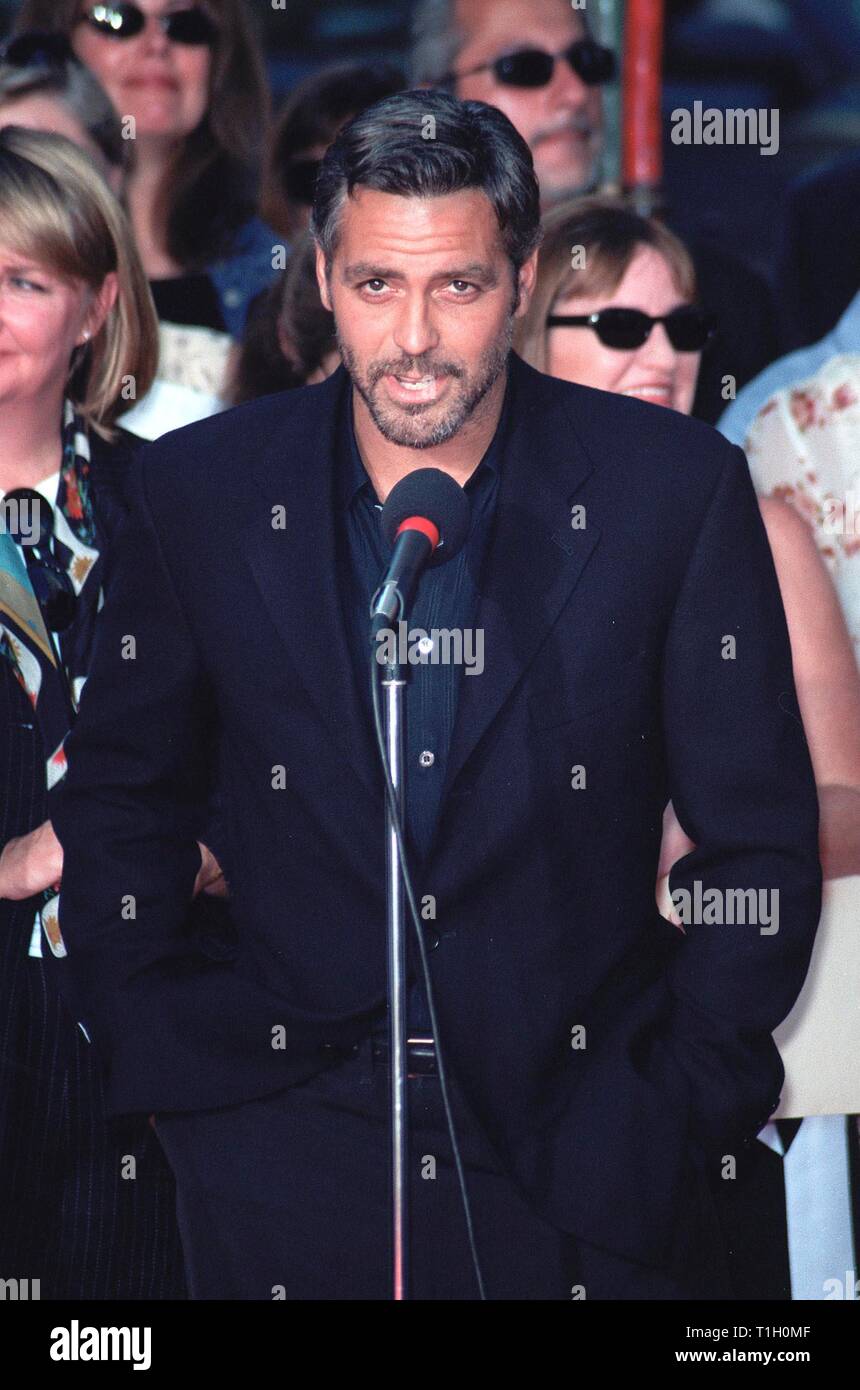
(189, 83)
(290, 340)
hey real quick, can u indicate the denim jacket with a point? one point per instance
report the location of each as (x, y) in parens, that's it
(238, 278)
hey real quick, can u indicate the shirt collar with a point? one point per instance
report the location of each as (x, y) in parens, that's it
(353, 474)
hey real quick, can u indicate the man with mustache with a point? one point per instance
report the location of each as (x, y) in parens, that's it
(598, 1061)
(538, 63)
(456, 43)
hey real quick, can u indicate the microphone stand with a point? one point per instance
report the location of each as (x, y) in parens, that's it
(414, 537)
(393, 715)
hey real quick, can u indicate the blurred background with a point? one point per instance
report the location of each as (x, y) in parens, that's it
(800, 56)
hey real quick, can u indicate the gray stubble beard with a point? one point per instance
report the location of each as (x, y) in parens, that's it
(490, 367)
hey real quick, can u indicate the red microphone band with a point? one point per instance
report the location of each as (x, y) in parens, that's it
(420, 523)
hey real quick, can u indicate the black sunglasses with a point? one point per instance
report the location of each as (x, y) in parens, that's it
(688, 327)
(36, 50)
(51, 583)
(533, 67)
(299, 178)
(192, 26)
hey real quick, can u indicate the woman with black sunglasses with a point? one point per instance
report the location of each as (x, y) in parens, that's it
(614, 305)
(190, 84)
(614, 308)
(76, 324)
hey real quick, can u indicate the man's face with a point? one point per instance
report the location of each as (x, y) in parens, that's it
(422, 293)
(561, 122)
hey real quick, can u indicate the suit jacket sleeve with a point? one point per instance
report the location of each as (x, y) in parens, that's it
(134, 799)
(743, 788)
(114, 469)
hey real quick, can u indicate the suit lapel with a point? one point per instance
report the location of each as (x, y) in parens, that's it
(296, 569)
(534, 560)
(535, 556)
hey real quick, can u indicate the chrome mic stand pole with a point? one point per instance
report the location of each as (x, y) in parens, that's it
(393, 687)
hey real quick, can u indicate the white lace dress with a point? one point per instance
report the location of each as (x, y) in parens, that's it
(193, 365)
(804, 446)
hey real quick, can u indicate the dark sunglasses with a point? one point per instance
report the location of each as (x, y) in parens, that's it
(192, 27)
(533, 67)
(37, 50)
(51, 583)
(299, 179)
(688, 328)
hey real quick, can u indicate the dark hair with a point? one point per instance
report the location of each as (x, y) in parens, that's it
(313, 114)
(211, 190)
(305, 324)
(288, 334)
(426, 143)
(260, 367)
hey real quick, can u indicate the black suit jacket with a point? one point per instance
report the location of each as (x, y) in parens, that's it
(603, 649)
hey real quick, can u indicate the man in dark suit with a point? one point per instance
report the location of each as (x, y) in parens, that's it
(634, 649)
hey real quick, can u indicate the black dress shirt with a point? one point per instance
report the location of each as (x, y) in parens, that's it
(445, 597)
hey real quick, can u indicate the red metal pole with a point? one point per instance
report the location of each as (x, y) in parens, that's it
(642, 74)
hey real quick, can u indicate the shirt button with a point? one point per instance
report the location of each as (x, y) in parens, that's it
(233, 298)
(426, 759)
(425, 645)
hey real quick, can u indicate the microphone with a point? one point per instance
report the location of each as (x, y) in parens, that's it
(426, 519)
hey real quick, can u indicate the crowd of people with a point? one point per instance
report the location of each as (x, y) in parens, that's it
(159, 265)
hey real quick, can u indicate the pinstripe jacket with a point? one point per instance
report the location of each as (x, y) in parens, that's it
(69, 1216)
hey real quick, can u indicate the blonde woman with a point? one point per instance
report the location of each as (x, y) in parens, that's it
(44, 86)
(77, 333)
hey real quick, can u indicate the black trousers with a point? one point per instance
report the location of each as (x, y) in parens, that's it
(87, 1202)
(288, 1197)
